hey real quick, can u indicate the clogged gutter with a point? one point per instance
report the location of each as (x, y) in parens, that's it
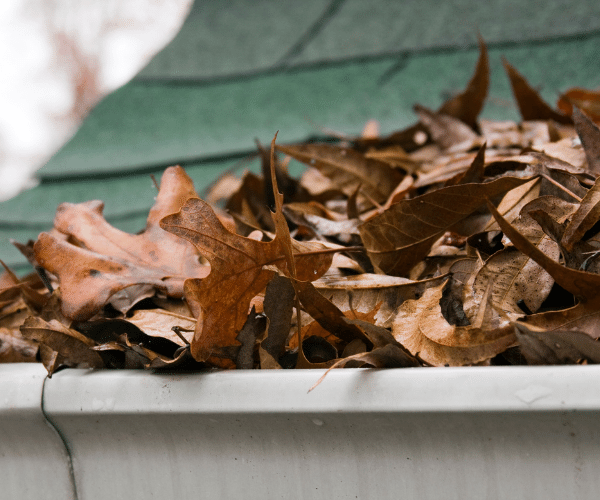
(454, 242)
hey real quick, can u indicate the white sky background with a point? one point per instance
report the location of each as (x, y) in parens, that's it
(58, 58)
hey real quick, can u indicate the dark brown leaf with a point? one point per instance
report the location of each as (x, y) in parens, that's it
(467, 105)
(348, 168)
(402, 236)
(589, 133)
(531, 105)
(556, 347)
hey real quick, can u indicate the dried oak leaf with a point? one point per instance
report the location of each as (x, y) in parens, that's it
(402, 236)
(97, 263)
(531, 105)
(422, 329)
(238, 272)
(556, 347)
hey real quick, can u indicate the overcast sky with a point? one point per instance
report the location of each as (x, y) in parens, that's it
(58, 58)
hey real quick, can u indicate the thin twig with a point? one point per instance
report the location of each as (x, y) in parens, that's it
(561, 187)
(178, 330)
(154, 181)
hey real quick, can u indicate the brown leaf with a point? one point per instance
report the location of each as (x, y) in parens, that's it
(583, 317)
(557, 347)
(531, 105)
(326, 313)
(467, 105)
(586, 100)
(421, 328)
(252, 329)
(389, 356)
(364, 293)
(278, 307)
(105, 261)
(160, 323)
(589, 133)
(584, 218)
(579, 283)
(402, 236)
(514, 275)
(475, 172)
(72, 346)
(450, 133)
(238, 273)
(348, 168)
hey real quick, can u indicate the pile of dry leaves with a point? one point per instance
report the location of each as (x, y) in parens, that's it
(456, 241)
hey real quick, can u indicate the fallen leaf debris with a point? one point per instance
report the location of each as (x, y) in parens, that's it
(456, 241)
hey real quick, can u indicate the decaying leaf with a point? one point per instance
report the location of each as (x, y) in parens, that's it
(238, 272)
(516, 278)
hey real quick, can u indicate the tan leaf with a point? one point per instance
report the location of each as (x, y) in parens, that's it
(514, 275)
(364, 293)
(98, 261)
(160, 323)
(579, 283)
(421, 328)
(402, 236)
(583, 317)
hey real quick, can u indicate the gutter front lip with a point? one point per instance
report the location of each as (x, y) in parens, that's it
(405, 390)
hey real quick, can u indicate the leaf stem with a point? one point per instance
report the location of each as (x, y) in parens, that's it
(561, 187)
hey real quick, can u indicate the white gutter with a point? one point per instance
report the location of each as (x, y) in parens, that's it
(477, 432)
(34, 463)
